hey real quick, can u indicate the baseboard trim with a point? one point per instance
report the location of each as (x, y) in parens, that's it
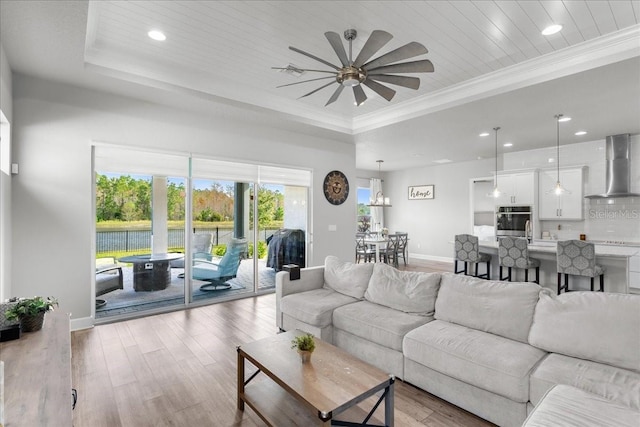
(81, 323)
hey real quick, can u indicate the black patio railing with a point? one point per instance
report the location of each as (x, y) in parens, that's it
(124, 240)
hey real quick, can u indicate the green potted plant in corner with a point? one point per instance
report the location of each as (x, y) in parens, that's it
(305, 346)
(30, 312)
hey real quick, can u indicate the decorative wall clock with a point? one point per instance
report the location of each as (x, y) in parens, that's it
(336, 187)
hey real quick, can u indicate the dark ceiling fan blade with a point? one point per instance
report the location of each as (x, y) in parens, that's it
(338, 47)
(385, 92)
(404, 81)
(335, 95)
(376, 41)
(304, 69)
(295, 49)
(405, 52)
(358, 92)
(314, 91)
(423, 66)
(305, 81)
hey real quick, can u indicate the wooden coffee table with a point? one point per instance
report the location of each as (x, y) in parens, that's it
(313, 393)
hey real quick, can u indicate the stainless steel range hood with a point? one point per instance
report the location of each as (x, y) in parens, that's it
(618, 182)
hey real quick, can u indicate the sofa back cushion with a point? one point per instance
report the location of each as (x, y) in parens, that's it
(500, 308)
(597, 326)
(346, 277)
(411, 292)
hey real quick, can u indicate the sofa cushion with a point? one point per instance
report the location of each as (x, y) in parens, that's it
(501, 308)
(408, 291)
(346, 277)
(616, 384)
(376, 323)
(568, 406)
(490, 362)
(590, 325)
(314, 307)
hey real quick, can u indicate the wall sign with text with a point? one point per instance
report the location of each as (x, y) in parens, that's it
(420, 192)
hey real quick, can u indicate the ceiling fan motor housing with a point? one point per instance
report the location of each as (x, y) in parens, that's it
(351, 76)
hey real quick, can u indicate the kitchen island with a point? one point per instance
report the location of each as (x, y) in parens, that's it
(614, 258)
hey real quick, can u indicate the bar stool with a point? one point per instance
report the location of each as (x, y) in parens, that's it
(466, 250)
(577, 258)
(513, 252)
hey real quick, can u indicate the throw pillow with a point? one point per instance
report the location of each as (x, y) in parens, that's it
(346, 277)
(408, 291)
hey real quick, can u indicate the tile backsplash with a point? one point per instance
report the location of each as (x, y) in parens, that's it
(604, 219)
(607, 219)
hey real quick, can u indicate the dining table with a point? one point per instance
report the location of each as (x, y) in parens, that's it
(378, 241)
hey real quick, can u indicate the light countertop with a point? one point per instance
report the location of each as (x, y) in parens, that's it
(549, 247)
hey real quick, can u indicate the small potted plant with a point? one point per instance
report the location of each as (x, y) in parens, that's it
(305, 346)
(30, 312)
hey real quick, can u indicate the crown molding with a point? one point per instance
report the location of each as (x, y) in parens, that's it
(591, 54)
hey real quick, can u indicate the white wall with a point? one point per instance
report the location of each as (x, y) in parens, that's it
(6, 115)
(53, 130)
(432, 224)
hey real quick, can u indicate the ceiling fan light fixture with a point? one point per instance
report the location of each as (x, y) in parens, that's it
(350, 82)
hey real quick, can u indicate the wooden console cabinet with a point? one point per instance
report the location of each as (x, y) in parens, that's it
(37, 375)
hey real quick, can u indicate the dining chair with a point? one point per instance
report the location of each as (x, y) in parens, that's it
(390, 252)
(363, 251)
(401, 250)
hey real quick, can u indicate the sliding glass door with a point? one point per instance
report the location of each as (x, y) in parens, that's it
(140, 220)
(176, 230)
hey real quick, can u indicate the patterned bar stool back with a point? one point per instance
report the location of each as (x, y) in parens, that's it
(466, 250)
(577, 258)
(513, 252)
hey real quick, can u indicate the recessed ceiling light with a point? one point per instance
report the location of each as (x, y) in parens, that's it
(484, 134)
(508, 144)
(581, 132)
(551, 29)
(157, 35)
(564, 119)
(441, 161)
(550, 160)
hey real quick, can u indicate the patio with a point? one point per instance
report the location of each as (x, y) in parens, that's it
(125, 301)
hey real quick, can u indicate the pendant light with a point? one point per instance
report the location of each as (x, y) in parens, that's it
(558, 189)
(496, 192)
(379, 201)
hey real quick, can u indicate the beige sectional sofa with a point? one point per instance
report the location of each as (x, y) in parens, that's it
(493, 348)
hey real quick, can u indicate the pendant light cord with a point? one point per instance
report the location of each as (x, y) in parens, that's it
(558, 116)
(496, 129)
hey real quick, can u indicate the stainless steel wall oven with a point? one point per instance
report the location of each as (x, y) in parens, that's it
(513, 221)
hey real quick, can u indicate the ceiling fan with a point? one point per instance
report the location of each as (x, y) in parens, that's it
(353, 73)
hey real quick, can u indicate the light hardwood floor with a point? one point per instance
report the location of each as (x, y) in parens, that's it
(179, 369)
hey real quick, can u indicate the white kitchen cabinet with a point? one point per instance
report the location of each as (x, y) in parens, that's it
(516, 189)
(567, 206)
